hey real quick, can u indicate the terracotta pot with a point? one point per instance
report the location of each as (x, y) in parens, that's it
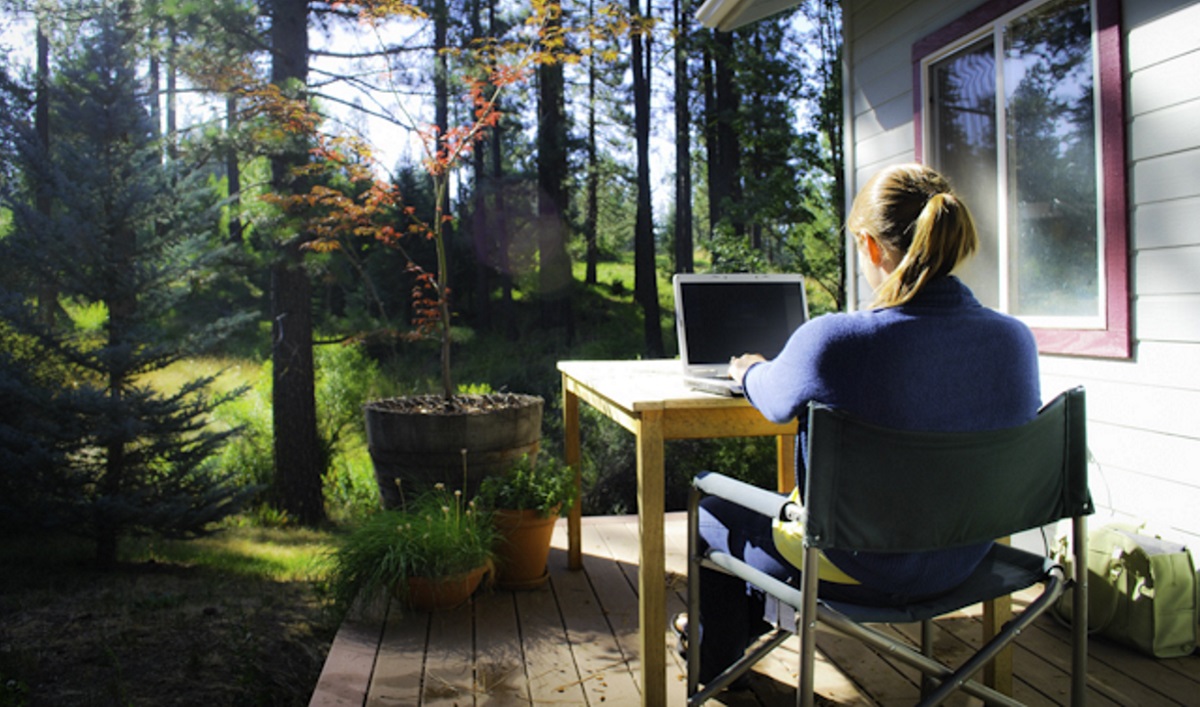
(440, 593)
(523, 549)
(459, 450)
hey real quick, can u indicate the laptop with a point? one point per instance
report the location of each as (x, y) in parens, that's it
(720, 316)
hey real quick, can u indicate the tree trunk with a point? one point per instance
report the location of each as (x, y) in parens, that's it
(554, 265)
(298, 462)
(645, 269)
(233, 174)
(172, 90)
(591, 212)
(441, 92)
(499, 216)
(684, 248)
(729, 149)
(724, 162)
(829, 31)
(715, 185)
(48, 307)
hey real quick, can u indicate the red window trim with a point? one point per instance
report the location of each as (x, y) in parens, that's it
(1114, 341)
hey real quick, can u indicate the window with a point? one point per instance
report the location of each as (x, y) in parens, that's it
(1020, 105)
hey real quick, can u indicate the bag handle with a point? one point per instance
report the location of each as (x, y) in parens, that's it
(1113, 569)
(1109, 581)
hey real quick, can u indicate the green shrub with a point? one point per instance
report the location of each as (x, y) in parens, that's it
(540, 484)
(345, 378)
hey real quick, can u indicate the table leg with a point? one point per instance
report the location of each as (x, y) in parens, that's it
(998, 674)
(785, 463)
(572, 455)
(652, 600)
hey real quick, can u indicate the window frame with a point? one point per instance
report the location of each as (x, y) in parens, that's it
(1114, 338)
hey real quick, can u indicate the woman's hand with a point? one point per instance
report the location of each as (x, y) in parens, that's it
(740, 364)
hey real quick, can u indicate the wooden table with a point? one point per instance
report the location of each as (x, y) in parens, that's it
(649, 399)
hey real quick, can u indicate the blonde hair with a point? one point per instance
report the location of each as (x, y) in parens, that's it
(912, 210)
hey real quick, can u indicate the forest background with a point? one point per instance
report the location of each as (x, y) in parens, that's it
(202, 216)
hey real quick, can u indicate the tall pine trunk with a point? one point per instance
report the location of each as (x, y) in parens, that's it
(724, 151)
(298, 461)
(48, 308)
(554, 264)
(684, 248)
(645, 269)
(591, 206)
(233, 174)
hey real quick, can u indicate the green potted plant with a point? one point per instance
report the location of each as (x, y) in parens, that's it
(524, 504)
(431, 554)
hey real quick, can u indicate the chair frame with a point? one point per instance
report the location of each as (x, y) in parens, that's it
(1052, 453)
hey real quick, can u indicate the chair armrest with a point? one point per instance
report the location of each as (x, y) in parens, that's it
(761, 501)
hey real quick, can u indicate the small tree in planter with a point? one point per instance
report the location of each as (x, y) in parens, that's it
(431, 438)
(525, 503)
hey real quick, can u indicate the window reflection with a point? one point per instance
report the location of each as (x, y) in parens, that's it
(963, 88)
(1048, 161)
(1052, 162)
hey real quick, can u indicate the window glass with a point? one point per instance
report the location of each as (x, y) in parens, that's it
(963, 128)
(1034, 193)
(1051, 160)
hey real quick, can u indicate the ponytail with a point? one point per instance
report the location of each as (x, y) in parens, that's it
(912, 210)
(942, 236)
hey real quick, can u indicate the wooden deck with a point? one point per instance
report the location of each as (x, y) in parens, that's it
(573, 642)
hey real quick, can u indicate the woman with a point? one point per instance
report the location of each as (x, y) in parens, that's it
(928, 356)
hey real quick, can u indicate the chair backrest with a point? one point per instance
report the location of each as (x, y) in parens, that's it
(879, 489)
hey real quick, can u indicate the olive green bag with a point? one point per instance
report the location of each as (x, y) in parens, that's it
(1142, 591)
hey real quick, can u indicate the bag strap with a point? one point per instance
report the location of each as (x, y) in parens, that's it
(1112, 573)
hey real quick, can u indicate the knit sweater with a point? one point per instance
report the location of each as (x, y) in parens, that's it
(941, 362)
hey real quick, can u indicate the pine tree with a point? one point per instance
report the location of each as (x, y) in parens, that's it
(121, 240)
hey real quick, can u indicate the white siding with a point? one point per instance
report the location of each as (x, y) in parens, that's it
(1144, 413)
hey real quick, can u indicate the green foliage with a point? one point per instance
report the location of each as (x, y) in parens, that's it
(250, 455)
(540, 483)
(114, 457)
(731, 253)
(436, 535)
(345, 378)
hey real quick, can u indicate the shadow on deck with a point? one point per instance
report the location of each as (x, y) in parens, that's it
(574, 642)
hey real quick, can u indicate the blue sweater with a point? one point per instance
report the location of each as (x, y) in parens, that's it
(940, 362)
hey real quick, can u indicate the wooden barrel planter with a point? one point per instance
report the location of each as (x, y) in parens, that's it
(418, 441)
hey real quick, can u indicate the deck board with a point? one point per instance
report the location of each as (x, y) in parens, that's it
(500, 663)
(449, 659)
(574, 642)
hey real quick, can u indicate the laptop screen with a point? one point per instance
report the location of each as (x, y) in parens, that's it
(718, 316)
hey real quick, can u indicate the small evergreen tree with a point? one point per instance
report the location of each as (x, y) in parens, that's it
(105, 455)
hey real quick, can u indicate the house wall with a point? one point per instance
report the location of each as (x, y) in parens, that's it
(1144, 413)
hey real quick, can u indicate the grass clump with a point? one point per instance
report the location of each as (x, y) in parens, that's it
(437, 535)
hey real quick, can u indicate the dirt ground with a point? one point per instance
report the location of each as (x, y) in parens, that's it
(157, 634)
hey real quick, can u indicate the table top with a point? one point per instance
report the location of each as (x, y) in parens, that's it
(645, 384)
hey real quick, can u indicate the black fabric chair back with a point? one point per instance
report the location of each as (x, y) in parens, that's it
(877, 489)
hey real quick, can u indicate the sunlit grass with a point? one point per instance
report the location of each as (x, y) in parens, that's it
(279, 554)
(230, 372)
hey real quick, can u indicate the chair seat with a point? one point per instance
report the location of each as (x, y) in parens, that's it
(1004, 570)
